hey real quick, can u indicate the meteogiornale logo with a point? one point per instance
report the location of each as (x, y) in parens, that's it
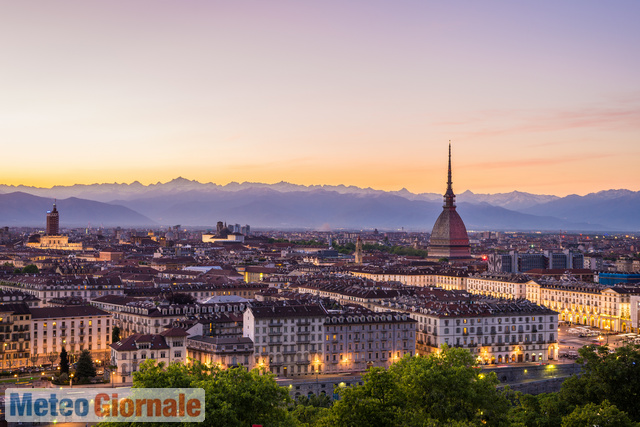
(81, 405)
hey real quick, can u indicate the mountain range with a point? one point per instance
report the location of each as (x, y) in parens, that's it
(289, 206)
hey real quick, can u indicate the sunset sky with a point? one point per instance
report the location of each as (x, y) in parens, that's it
(542, 97)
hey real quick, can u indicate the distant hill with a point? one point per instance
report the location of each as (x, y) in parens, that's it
(285, 205)
(263, 207)
(22, 209)
(620, 209)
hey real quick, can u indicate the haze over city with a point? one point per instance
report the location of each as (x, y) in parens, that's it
(541, 97)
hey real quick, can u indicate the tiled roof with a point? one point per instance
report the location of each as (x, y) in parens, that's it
(157, 342)
(66, 311)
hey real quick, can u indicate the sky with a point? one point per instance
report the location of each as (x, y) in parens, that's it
(542, 97)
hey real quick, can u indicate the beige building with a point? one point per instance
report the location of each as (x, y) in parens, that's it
(127, 354)
(501, 332)
(585, 303)
(15, 336)
(508, 286)
(358, 338)
(224, 352)
(53, 242)
(47, 287)
(74, 328)
(145, 317)
(287, 339)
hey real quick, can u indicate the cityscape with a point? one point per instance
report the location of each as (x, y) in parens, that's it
(332, 214)
(315, 309)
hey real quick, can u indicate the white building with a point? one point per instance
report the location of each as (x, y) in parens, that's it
(357, 338)
(127, 354)
(287, 338)
(495, 332)
(509, 286)
(74, 328)
(48, 287)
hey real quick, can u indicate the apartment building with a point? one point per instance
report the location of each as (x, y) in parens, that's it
(129, 353)
(15, 336)
(135, 316)
(493, 331)
(224, 352)
(47, 287)
(287, 339)
(586, 303)
(74, 328)
(508, 286)
(357, 338)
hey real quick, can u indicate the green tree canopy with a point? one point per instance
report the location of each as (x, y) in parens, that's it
(612, 376)
(441, 389)
(602, 415)
(542, 410)
(84, 366)
(115, 334)
(234, 397)
(30, 269)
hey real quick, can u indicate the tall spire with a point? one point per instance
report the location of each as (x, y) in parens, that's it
(449, 175)
(449, 197)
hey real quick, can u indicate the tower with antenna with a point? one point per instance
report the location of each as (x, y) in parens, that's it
(449, 238)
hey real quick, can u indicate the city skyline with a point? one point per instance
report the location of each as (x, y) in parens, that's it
(537, 98)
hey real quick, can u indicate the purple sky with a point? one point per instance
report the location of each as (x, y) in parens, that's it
(541, 97)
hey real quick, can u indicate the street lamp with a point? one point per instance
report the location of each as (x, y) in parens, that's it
(71, 381)
(112, 375)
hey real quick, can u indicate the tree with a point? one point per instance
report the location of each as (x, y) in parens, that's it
(441, 389)
(234, 397)
(115, 334)
(30, 269)
(602, 415)
(309, 410)
(64, 361)
(52, 357)
(34, 359)
(377, 402)
(612, 376)
(84, 366)
(542, 410)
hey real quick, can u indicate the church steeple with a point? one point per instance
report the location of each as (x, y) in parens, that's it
(449, 197)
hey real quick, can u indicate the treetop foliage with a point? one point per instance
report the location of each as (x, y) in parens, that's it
(442, 389)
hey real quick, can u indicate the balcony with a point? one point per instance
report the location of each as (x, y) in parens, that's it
(274, 333)
(275, 324)
(289, 352)
(302, 362)
(303, 323)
